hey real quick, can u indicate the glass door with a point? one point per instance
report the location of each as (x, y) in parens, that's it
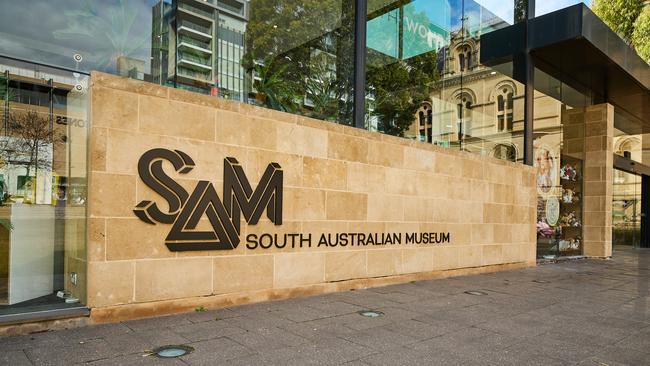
(626, 209)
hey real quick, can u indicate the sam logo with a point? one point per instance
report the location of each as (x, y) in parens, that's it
(186, 210)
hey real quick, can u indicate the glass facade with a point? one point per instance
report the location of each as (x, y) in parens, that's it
(43, 135)
(423, 81)
(626, 209)
(559, 147)
(545, 7)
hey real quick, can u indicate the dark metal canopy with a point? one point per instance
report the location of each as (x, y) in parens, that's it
(574, 46)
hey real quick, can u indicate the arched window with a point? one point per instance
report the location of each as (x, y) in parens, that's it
(425, 117)
(505, 108)
(464, 104)
(505, 152)
(464, 58)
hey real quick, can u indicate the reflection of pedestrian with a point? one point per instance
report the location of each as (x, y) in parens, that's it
(544, 171)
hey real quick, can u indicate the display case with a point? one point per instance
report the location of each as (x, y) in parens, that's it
(559, 211)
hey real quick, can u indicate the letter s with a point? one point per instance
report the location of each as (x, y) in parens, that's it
(153, 175)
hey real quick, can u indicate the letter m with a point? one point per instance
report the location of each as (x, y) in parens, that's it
(239, 196)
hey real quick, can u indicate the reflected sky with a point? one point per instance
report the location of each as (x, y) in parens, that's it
(52, 32)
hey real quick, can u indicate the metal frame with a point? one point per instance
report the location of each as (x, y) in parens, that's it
(40, 315)
(359, 100)
(529, 85)
(630, 166)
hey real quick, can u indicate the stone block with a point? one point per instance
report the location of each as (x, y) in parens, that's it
(112, 195)
(296, 269)
(344, 265)
(242, 273)
(114, 109)
(445, 257)
(346, 206)
(324, 173)
(162, 279)
(130, 238)
(349, 148)
(417, 260)
(384, 262)
(110, 283)
(385, 154)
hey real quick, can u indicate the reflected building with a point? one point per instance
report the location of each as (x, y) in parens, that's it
(198, 46)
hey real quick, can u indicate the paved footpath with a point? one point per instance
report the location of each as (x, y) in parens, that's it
(585, 312)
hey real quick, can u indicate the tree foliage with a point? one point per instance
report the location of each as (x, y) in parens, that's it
(625, 17)
(306, 47)
(29, 137)
(399, 89)
(641, 34)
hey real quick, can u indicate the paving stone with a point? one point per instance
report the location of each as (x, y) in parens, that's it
(157, 322)
(591, 312)
(195, 332)
(215, 351)
(14, 358)
(91, 350)
(36, 340)
(625, 356)
(407, 357)
(264, 339)
(380, 338)
(137, 360)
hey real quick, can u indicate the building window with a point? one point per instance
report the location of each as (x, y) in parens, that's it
(505, 152)
(464, 103)
(505, 103)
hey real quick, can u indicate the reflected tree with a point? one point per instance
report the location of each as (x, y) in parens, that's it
(308, 45)
(397, 90)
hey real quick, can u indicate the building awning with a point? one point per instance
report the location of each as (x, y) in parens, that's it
(574, 46)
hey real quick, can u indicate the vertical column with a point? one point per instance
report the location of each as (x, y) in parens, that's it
(360, 11)
(599, 165)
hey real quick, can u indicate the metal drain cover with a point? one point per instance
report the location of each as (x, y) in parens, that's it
(476, 293)
(541, 281)
(172, 351)
(371, 313)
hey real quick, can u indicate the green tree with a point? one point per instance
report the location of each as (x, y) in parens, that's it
(292, 39)
(399, 89)
(641, 34)
(625, 17)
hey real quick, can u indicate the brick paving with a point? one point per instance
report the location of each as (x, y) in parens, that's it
(584, 312)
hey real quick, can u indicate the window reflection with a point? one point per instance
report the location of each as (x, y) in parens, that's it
(43, 118)
(293, 56)
(420, 59)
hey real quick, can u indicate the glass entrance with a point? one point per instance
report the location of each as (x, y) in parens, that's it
(626, 209)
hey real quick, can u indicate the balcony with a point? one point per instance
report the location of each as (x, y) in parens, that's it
(194, 30)
(194, 75)
(195, 10)
(192, 44)
(195, 62)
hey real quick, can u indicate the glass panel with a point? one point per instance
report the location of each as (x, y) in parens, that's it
(626, 209)
(425, 82)
(559, 139)
(547, 6)
(42, 187)
(290, 55)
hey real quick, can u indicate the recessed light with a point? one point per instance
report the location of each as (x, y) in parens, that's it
(371, 313)
(172, 351)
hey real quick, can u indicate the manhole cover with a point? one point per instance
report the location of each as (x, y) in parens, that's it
(172, 351)
(476, 293)
(371, 313)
